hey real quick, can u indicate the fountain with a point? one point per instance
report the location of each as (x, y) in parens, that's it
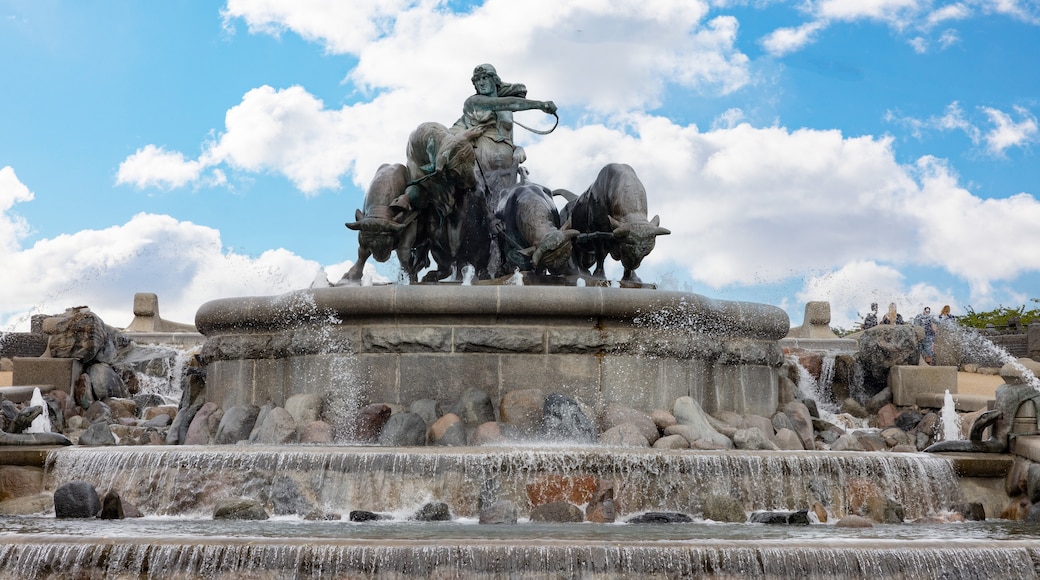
(684, 367)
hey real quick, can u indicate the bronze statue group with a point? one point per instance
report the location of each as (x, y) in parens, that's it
(463, 199)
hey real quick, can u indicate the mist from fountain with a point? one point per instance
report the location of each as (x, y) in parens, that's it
(951, 421)
(42, 423)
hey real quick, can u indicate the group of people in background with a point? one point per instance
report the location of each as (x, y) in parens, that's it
(929, 323)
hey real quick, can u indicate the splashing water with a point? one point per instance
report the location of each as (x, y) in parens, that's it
(516, 279)
(41, 424)
(951, 422)
(468, 271)
(340, 374)
(975, 347)
(809, 388)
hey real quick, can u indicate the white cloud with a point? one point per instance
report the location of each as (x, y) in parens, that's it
(851, 289)
(949, 38)
(152, 166)
(1007, 133)
(955, 11)
(343, 27)
(892, 11)
(184, 263)
(1004, 134)
(12, 227)
(596, 56)
(783, 41)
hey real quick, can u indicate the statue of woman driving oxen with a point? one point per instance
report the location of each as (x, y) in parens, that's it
(463, 200)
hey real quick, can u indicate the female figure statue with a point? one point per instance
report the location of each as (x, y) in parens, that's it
(491, 111)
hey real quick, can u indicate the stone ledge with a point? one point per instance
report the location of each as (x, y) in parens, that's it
(1027, 446)
(962, 403)
(980, 464)
(909, 381)
(27, 455)
(22, 393)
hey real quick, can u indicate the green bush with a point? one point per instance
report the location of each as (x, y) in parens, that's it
(999, 316)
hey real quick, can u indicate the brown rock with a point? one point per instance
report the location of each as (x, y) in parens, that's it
(886, 416)
(575, 489)
(487, 433)
(522, 410)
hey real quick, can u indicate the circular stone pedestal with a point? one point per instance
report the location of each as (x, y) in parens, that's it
(397, 344)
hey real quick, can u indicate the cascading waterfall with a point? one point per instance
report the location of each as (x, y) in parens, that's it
(190, 481)
(561, 558)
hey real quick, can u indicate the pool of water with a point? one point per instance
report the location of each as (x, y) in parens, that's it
(294, 529)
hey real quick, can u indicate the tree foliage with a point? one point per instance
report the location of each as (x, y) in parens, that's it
(1001, 316)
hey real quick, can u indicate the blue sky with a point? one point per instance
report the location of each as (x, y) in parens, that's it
(849, 151)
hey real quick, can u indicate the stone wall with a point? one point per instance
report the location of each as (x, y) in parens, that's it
(27, 344)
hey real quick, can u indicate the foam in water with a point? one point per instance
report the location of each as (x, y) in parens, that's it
(951, 422)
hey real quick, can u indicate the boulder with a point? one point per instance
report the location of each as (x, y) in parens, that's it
(239, 508)
(522, 410)
(79, 334)
(111, 507)
(236, 424)
(788, 440)
(752, 439)
(448, 431)
(315, 432)
(563, 420)
(277, 428)
(502, 511)
(601, 509)
(428, 409)
(433, 512)
(663, 419)
(854, 521)
(304, 407)
(660, 518)
(487, 434)
(687, 412)
(723, 508)
(106, 382)
(97, 435)
(198, 432)
(369, 422)
(795, 518)
(624, 435)
(558, 512)
(673, 442)
(403, 430)
(474, 407)
(801, 422)
(76, 499)
(884, 346)
(614, 415)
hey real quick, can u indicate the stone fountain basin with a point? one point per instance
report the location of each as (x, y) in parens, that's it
(641, 348)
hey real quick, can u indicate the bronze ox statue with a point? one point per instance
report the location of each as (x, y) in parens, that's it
(615, 203)
(532, 238)
(381, 231)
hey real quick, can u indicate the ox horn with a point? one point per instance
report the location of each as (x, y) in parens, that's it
(370, 224)
(658, 230)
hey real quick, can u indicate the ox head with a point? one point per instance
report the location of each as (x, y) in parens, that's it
(378, 234)
(553, 251)
(635, 240)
